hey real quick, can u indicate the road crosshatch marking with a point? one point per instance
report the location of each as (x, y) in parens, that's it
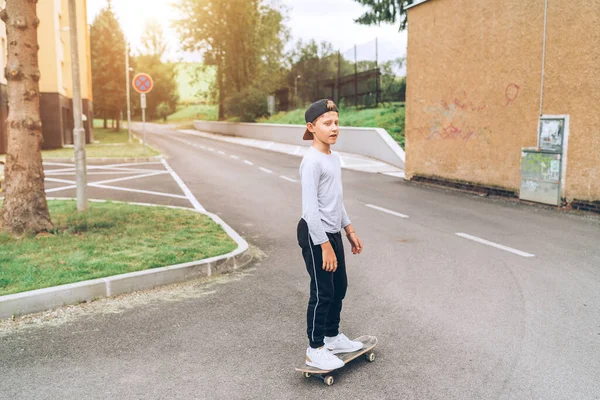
(58, 175)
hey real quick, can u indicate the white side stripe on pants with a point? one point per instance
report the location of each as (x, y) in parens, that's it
(316, 284)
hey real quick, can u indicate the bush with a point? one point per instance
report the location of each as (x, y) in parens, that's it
(247, 105)
(163, 110)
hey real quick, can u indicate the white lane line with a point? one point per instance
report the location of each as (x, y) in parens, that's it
(221, 152)
(248, 162)
(385, 210)
(183, 187)
(211, 149)
(288, 179)
(496, 245)
(268, 171)
(235, 157)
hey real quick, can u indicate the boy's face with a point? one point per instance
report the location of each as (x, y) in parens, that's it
(326, 128)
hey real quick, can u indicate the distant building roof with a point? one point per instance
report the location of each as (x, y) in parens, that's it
(416, 3)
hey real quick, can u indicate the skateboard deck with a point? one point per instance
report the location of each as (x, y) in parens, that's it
(369, 343)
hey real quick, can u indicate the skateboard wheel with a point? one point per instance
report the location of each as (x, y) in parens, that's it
(307, 375)
(328, 380)
(370, 357)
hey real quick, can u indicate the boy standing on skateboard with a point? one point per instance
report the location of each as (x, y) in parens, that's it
(319, 236)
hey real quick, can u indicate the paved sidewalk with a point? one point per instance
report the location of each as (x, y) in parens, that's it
(349, 161)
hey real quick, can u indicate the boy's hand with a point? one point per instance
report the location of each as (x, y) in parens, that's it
(329, 259)
(357, 246)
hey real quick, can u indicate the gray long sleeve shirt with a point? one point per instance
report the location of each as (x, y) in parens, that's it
(322, 194)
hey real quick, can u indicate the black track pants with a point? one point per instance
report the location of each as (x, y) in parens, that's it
(327, 289)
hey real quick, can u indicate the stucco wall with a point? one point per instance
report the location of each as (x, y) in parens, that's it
(473, 88)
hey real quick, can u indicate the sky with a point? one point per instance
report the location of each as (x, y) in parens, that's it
(322, 20)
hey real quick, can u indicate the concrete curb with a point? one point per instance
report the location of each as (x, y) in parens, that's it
(73, 293)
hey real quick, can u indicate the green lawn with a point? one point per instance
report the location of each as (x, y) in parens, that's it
(110, 239)
(192, 112)
(107, 144)
(390, 118)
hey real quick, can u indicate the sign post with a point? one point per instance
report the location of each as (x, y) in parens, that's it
(143, 84)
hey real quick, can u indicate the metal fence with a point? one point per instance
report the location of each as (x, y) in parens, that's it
(351, 78)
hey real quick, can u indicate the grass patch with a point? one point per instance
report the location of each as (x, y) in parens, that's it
(390, 118)
(107, 144)
(184, 113)
(107, 240)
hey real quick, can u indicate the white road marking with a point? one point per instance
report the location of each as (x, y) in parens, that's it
(248, 162)
(288, 179)
(176, 196)
(268, 171)
(235, 157)
(58, 189)
(59, 180)
(385, 210)
(496, 245)
(221, 152)
(183, 187)
(211, 149)
(48, 173)
(127, 178)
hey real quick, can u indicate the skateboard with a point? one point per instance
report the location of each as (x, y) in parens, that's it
(369, 343)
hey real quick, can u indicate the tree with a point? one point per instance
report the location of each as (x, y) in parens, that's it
(165, 83)
(164, 74)
(386, 11)
(25, 209)
(153, 39)
(107, 43)
(242, 38)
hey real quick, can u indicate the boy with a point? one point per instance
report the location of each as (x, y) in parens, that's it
(323, 217)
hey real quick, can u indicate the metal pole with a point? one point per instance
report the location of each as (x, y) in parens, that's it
(378, 87)
(339, 87)
(355, 79)
(127, 83)
(143, 101)
(78, 131)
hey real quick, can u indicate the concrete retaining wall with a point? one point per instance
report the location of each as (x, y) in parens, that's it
(371, 142)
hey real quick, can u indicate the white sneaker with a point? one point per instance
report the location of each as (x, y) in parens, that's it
(341, 344)
(323, 359)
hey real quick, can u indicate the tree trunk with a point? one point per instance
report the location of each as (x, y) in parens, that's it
(118, 127)
(105, 121)
(25, 209)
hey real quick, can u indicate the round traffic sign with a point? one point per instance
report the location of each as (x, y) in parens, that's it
(142, 83)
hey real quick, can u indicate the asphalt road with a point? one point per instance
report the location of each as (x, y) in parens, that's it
(516, 317)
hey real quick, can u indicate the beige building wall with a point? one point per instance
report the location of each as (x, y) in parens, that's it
(55, 48)
(56, 87)
(473, 89)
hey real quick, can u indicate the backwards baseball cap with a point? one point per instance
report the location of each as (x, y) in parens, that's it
(315, 110)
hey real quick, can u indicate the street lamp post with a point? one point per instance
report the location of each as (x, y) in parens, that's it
(78, 131)
(127, 69)
(296, 90)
